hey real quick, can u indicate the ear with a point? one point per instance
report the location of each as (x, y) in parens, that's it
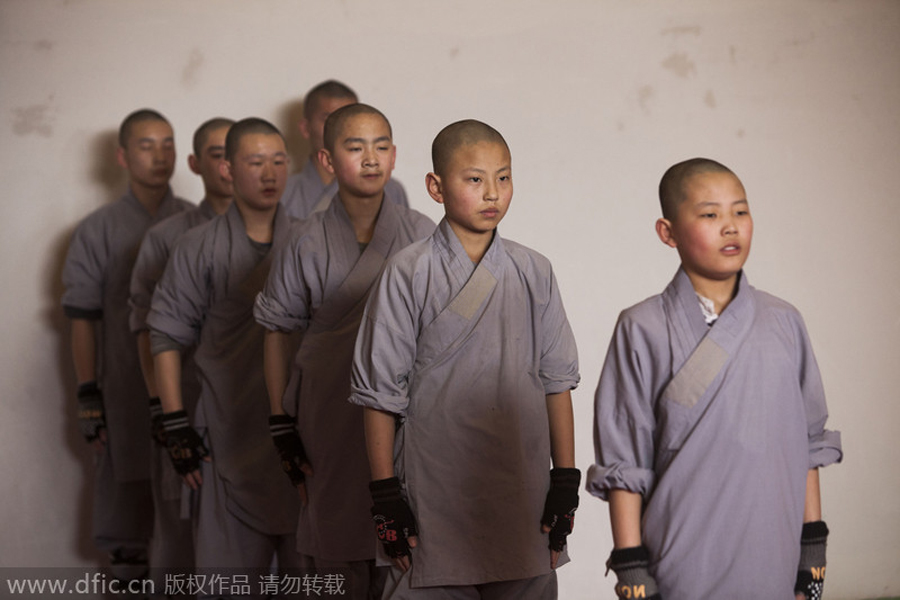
(324, 157)
(434, 187)
(225, 171)
(393, 156)
(194, 164)
(303, 126)
(665, 233)
(121, 157)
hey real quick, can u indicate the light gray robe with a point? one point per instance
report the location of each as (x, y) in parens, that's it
(319, 284)
(96, 277)
(466, 355)
(717, 428)
(205, 297)
(305, 194)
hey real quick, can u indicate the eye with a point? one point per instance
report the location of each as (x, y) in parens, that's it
(475, 179)
(505, 178)
(708, 216)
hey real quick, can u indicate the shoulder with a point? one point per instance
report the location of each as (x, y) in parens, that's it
(532, 266)
(646, 319)
(418, 224)
(771, 303)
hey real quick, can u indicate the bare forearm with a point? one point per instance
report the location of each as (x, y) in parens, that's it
(562, 429)
(84, 349)
(168, 380)
(276, 359)
(146, 358)
(625, 518)
(813, 508)
(380, 442)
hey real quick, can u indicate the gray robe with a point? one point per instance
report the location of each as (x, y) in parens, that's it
(172, 544)
(717, 428)
(305, 194)
(319, 285)
(466, 356)
(96, 277)
(205, 297)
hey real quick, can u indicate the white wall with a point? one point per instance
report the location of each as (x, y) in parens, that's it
(596, 99)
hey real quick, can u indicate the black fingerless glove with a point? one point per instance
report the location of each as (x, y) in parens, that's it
(631, 566)
(185, 445)
(559, 508)
(394, 521)
(290, 447)
(811, 572)
(91, 415)
(157, 428)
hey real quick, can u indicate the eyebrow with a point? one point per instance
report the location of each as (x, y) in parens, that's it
(359, 140)
(479, 170)
(261, 155)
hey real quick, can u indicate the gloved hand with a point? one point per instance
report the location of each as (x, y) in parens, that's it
(811, 572)
(631, 568)
(91, 415)
(157, 428)
(394, 521)
(186, 448)
(290, 447)
(559, 508)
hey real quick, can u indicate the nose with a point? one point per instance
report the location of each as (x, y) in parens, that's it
(491, 192)
(370, 158)
(268, 170)
(729, 227)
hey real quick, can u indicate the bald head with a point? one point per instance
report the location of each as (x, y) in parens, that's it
(246, 127)
(138, 116)
(336, 121)
(673, 183)
(326, 90)
(459, 134)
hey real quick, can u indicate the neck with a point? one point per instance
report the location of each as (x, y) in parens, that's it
(260, 224)
(720, 291)
(219, 204)
(474, 243)
(149, 197)
(363, 213)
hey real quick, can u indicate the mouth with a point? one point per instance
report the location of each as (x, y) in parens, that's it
(269, 192)
(490, 213)
(731, 249)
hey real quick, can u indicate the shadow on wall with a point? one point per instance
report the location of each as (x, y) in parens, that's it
(105, 170)
(289, 116)
(112, 181)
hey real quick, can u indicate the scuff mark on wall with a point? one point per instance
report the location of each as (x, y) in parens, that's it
(710, 99)
(645, 95)
(190, 74)
(43, 45)
(34, 119)
(680, 64)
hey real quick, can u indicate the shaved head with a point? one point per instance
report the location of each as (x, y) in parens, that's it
(326, 90)
(247, 127)
(335, 122)
(138, 116)
(202, 133)
(462, 133)
(672, 185)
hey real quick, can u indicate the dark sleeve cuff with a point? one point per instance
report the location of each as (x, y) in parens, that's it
(73, 312)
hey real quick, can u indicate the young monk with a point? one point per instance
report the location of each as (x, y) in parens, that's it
(318, 286)
(464, 362)
(710, 418)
